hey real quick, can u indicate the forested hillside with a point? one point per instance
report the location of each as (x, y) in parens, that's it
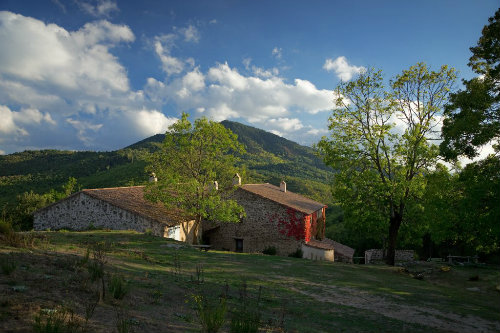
(269, 158)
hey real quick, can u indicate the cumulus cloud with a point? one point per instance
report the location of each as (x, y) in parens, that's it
(224, 93)
(164, 45)
(151, 122)
(98, 7)
(15, 122)
(341, 68)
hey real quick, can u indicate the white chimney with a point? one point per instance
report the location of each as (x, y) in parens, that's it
(152, 178)
(214, 186)
(236, 180)
(283, 186)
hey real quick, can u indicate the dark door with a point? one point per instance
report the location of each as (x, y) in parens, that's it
(239, 245)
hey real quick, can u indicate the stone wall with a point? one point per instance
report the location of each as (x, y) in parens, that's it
(80, 211)
(378, 255)
(259, 230)
(313, 253)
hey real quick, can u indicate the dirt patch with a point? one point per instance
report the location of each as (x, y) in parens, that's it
(412, 314)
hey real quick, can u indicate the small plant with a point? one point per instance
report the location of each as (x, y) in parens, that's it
(122, 322)
(156, 295)
(271, 250)
(200, 277)
(246, 316)
(56, 321)
(90, 306)
(148, 232)
(118, 287)
(8, 266)
(211, 313)
(297, 254)
(176, 271)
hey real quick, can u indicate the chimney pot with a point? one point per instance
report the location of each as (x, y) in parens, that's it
(283, 186)
(237, 180)
(152, 178)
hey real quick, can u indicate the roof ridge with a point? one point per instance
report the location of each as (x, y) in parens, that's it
(111, 188)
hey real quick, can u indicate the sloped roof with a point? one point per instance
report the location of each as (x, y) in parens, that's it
(132, 199)
(320, 244)
(340, 249)
(288, 199)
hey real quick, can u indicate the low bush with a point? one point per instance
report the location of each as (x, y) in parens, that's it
(271, 250)
(8, 266)
(56, 321)
(297, 254)
(210, 312)
(118, 287)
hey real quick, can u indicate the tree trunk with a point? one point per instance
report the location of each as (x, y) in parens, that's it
(196, 230)
(394, 223)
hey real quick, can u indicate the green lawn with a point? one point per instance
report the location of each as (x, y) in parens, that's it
(296, 295)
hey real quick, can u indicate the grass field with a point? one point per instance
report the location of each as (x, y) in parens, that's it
(289, 294)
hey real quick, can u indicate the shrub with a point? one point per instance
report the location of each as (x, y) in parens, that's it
(271, 250)
(297, 254)
(118, 287)
(56, 321)
(211, 313)
(8, 266)
(148, 232)
(5, 228)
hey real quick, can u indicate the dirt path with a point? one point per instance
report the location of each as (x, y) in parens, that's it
(431, 317)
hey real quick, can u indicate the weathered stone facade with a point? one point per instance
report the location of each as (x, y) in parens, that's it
(259, 230)
(378, 255)
(82, 211)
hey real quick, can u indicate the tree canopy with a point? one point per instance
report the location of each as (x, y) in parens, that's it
(472, 117)
(379, 143)
(191, 159)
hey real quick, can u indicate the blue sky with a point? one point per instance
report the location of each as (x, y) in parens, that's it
(102, 74)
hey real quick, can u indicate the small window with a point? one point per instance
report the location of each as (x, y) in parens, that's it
(239, 245)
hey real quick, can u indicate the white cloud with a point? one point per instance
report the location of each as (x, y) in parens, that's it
(191, 34)
(98, 7)
(224, 93)
(151, 122)
(164, 45)
(14, 122)
(286, 124)
(83, 128)
(342, 69)
(277, 52)
(214, 21)
(43, 56)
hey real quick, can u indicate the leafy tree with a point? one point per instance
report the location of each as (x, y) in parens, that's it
(472, 117)
(191, 158)
(381, 167)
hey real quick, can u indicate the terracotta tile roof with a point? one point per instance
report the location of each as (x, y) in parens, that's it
(288, 199)
(132, 199)
(340, 249)
(320, 245)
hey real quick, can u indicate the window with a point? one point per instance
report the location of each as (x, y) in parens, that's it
(239, 245)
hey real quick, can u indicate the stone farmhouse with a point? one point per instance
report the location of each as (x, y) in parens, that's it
(274, 217)
(118, 208)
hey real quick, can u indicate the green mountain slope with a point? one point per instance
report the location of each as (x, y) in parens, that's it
(269, 158)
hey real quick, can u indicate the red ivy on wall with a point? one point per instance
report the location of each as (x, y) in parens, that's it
(293, 226)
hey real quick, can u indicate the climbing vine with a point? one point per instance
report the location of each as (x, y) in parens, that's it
(291, 225)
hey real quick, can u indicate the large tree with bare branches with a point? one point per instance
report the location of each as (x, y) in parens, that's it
(380, 143)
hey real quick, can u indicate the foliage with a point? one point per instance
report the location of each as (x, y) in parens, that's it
(297, 254)
(59, 320)
(382, 167)
(118, 287)
(7, 265)
(191, 159)
(271, 250)
(472, 117)
(246, 315)
(211, 312)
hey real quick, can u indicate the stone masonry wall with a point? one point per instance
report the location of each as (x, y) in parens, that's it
(259, 230)
(80, 211)
(377, 254)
